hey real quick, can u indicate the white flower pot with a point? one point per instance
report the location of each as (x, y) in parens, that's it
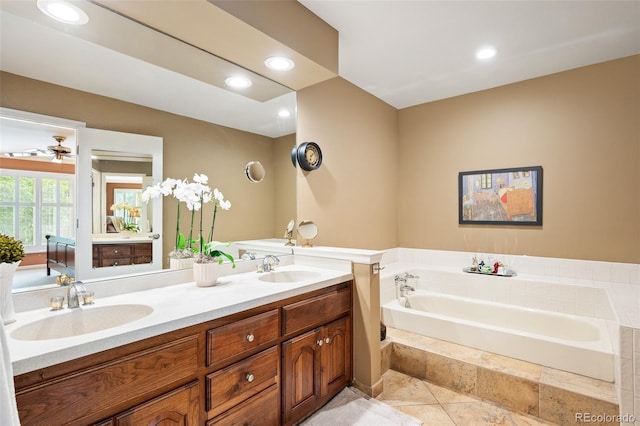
(206, 274)
(181, 263)
(7, 270)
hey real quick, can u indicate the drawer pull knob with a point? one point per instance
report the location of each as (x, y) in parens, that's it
(320, 342)
(250, 377)
(115, 251)
(327, 340)
(250, 337)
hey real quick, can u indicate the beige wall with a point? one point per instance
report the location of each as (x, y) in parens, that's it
(284, 175)
(351, 197)
(581, 126)
(190, 146)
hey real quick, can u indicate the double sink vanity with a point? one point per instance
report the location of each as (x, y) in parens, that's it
(258, 348)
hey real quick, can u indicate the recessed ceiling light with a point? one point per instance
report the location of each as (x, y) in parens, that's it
(284, 113)
(486, 53)
(279, 63)
(238, 82)
(63, 11)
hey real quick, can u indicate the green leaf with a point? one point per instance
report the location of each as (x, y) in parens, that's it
(182, 242)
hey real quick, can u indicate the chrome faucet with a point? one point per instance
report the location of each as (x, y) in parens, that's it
(75, 290)
(401, 284)
(268, 262)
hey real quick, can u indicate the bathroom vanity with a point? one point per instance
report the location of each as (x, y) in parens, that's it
(272, 357)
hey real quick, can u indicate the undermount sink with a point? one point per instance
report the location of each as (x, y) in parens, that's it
(81, 321)
(288, 276)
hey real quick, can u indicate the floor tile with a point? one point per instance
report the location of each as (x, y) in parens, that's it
(430, 415)
(486, 414)
(446, 396)
(401, 389)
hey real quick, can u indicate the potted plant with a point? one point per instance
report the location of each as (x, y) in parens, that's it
(11, 253)
(205, 253)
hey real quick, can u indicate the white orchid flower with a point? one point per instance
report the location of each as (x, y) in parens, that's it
(151, 192)
(218, 195)
(202, 178)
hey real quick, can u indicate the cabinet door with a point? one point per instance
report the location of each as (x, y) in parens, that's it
(335, 371)
(179, 407)
(301, 370)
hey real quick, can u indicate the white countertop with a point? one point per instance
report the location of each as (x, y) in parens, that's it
(174, 307)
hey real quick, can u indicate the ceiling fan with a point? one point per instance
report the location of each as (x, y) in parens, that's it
(59, 151)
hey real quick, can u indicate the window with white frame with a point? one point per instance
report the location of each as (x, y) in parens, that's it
(35, 204)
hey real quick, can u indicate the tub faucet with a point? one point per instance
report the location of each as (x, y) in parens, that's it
(405, 288)
(268, 262)
(74, 291)
(401, 284)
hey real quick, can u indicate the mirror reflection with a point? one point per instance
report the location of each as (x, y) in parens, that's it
(254, 171)
(121, 224)
(205, 129)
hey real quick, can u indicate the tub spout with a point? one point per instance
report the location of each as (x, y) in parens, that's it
(404, 289)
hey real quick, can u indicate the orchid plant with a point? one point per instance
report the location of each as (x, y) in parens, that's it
(129, 213)
(195, 195)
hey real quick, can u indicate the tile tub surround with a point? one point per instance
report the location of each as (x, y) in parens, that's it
(607, 290)
(568, 342)
(551, 395)
(436, 405)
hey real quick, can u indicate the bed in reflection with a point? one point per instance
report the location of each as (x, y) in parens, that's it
(61, 255)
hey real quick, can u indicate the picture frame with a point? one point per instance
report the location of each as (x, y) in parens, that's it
(511, 196)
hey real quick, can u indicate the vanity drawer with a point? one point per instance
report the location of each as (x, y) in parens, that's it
(262, 409)
(234, 384)
(241, 336)
(141, 259)
(316, 310)
(114, 250)
(111, 261)
(142, 249)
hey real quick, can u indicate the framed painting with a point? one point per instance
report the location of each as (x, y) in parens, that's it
(501, 196)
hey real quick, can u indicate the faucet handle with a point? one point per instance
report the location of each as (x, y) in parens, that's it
(408, 275)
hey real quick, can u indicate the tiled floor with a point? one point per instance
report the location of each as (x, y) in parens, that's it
(437, 406)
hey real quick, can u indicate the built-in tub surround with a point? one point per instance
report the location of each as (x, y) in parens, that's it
(601, 291)
(567, 342)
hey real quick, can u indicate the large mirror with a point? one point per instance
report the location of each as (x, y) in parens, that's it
(108, 88)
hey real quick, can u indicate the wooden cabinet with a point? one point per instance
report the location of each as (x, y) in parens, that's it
(316, 364)
(105, 255)
(108, 386)
(179, 408)
(274, 364)
(247, 350)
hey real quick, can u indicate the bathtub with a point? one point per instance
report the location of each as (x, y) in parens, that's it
(578, 344)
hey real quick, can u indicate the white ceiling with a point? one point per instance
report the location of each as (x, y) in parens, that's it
(156, 71)
(404, 52)
(411, 52)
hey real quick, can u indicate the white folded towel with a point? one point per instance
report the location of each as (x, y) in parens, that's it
(8, 406)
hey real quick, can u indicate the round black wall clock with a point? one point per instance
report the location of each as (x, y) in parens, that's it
(308, 155)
